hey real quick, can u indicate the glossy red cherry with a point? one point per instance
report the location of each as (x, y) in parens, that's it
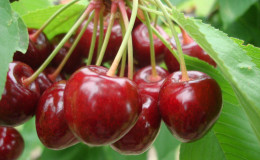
(44, 81)
(190, 108)
(11, 143)
(190, 48)
(100, 109)
(75, 60)
(51, 126)
(113, 45)
(143, 134)
(37, 52)
(18, 102)
(147, 84)
(141, 45)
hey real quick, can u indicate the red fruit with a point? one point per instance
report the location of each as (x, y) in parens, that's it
(190, 48)
(51, 126)
(143, 134)
(75, 60)
(18, 102)
(37, 51)
(100, 109)
(11, 143)
(113, 45)
(129, 13)
(147, 84)
(190, 108)
(141, 45)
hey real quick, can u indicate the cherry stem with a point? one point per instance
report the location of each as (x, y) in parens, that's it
(94, 36)
(130, 45)
(34, 36)
(186, 38)
(183, 68)
(155, 20)
(112, 69)
(108, 33)
(101, 31)
(123, 61)
(152, 52)
(30, 79)
(53, 76)
(168, 3)
(144, 8)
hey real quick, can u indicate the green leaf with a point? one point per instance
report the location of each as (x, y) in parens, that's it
(235, 65)
(13, 37)
(232, 136)
(23, 7)
(231, 10)
(61, 24)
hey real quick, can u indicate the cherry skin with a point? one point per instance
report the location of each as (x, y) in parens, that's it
(51, 126)
(142, 135)
(147, 84)
(100, 109)
(113, 45)
(75, 60)
(12, 143)
(18, 102)
(37, 52)
(141, 45)
(190, 108)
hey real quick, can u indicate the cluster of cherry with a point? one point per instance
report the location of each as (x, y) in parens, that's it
(97, 109)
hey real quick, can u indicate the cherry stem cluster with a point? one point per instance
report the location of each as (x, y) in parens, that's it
(30, 79)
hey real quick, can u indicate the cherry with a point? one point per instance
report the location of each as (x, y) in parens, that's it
(147, 84)
(137, 20)
(44, 81)
(100, 109)
(189, 47)
(37, 52)
(113, 45)
(12, 143)
(143, 134)
(18, 102)
(75, 60)
(141, 45)
(190, 108)
(51, 125)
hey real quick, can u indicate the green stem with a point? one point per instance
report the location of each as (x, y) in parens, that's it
(144, 8)
(30, 79)
(34, 36)
(101, 31)
(183, 68)
(108, 33)
(168, 3)
(94, 36)
(112, 70)
(129, 44)
(65, 59)
(155, 20)
(123, 61)
(152, 52)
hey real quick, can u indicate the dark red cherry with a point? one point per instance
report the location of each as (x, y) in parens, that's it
(143, 134)
(11, 143)
(147, 84)
(137, 20)
(37, 52)
(190, 108)
(141, 45)
(75, 60)
(113, 44)
(18, 102)
(190, 48)
(51, 126)
(44, 81)
(100, 109)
